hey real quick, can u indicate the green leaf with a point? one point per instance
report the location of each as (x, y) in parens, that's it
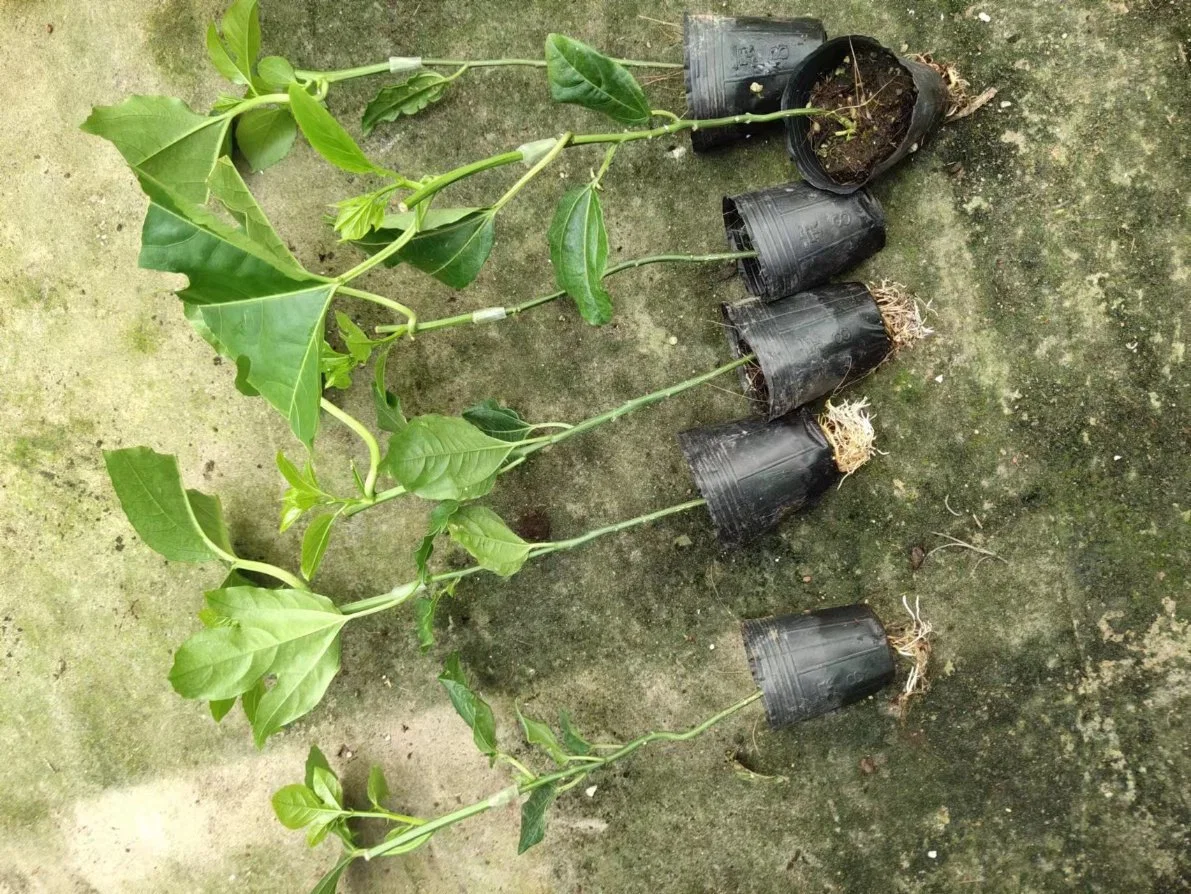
(440, 517)
(579, 252)
(359, 345)
(445, 458)
(222, 662)
(484, 534)
(314, 543)
(336, 368)
(220, 707)
(315, 759)
(251, 699)
(329, 883)
(574, 742)
(538, 733)
(432, 219)
(241, 26)
(297, 807)
(412, 845)
(388, 406)
(424, 607)
(292, 635)
(326, 135)
(265, 136)
(533, 817)
(161, 137)
(499, 422)
(256, 310)
(304, 492)
(360, 215)
(163, 513)
(581, 75)
(406, 98)
(219, 57)
(225, 102)
(326, 785)
(474, 710)
(378, 786)
(317, 831)
(194, 316)
(229, 187)
(451, 251)
(209, 514)
(453, 254)
(276, 73)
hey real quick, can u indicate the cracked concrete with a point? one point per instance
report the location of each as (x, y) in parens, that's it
(1050, 412)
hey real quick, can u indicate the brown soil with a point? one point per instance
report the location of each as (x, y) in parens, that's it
(877, 95)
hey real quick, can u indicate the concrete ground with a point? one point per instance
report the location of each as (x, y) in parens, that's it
(1047, 422)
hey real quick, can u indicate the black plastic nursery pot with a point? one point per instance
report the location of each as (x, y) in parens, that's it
(752, 473)
(737, 65)
(930, 105)
(807, 345)
(802, 236)
(811, 664)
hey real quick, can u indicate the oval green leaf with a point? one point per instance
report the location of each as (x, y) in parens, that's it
(297, 807)
(452, 244)
(445, 458)
(276, 73)
(533, 817)
(579, 252)
(453, 253)
(475, 712)
(583, 76)
(497, 421)
(488, 539)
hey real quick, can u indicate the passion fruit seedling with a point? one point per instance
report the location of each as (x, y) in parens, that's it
(317, 805)
(277, 650)
(436, 457)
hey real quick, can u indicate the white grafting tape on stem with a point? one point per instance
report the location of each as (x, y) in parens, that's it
(489, 315)
(532, 153)
(400, 64)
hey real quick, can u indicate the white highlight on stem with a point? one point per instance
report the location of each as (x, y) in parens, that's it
(399, 64)
(489, 315)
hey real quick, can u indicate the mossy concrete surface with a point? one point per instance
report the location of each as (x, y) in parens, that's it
(1046, 422)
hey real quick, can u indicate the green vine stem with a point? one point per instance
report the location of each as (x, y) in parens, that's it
(364, 435)
(271, 571)
(403, 592)
(493, 314)
(567, 775)
(635, 404)
(414, 62)
(439, 183)
(532, 446)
